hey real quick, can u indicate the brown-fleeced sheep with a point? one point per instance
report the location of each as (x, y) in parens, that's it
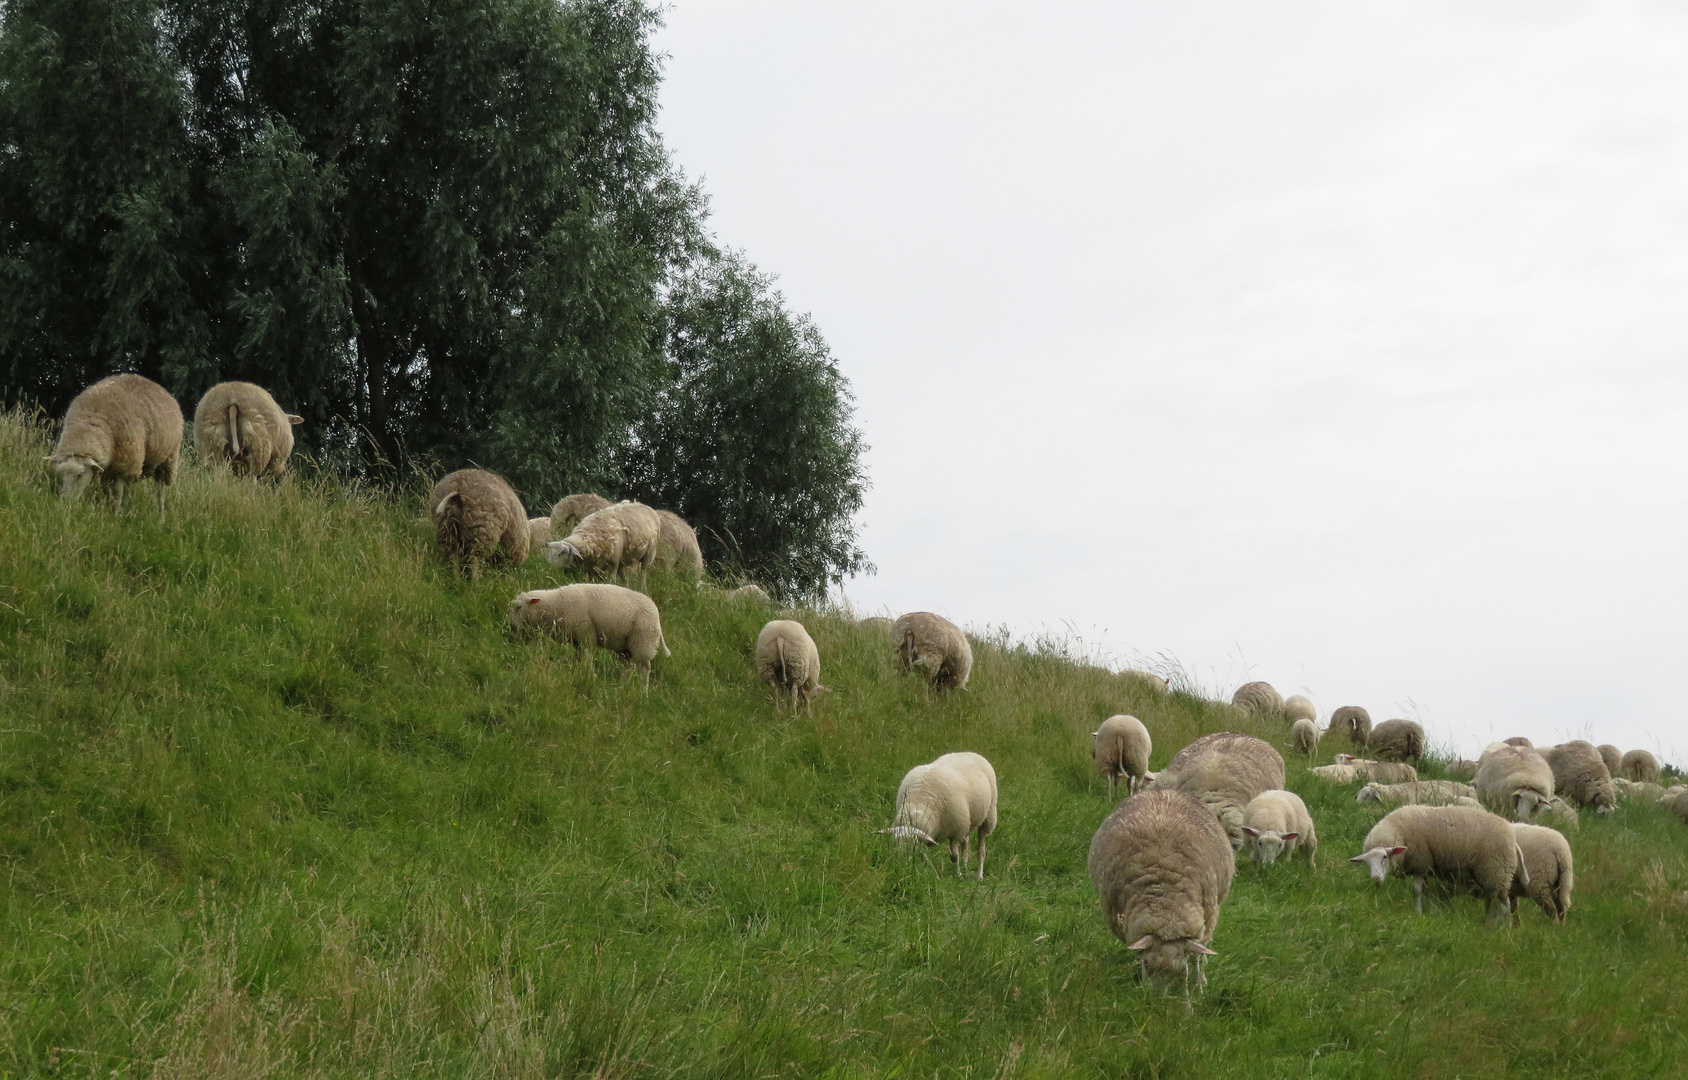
(121, 430)
(933, 646)
(240, 425)
(478, 517)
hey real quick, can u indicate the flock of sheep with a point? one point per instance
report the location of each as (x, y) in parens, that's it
(1162, 862)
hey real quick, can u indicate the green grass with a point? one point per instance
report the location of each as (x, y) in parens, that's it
(280, 797)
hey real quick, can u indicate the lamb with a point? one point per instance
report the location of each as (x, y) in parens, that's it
(1416, 793)
(239, 423)
(1354, 721)
(1162, 866)
(787, 660)
(1121, 748)
(1580, 776)
(1258, 698)
(611, 541)
(1150, 680)
(539, 534)
(1337, 774)
(1297, 707)
(1275, 821)
(608, 616)
(751, 592)
(571, 510)
(1628, 789)
(1379, 772)
(1399, 739)
(1613, 757)
(1224, 771)
(476, 517)
(1640, 765)
(1546, 875)
(934, 646)
(122, 429)
(1463, 769)
(1457, 843)
(1513, 779)
(944, 802)
(677, 547)
(1305, 735)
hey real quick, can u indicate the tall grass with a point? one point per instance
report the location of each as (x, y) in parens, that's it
(279, 796)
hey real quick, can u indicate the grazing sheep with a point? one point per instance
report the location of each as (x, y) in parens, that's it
(477, 516)
(1161, 867)
(1305, 735)
(122, 429)
(1121, 747)
(1258, 698)
(1513, 780)
(934, 646)
(1466, 800)
(1416, 793)
(1297, 707)
(787, 659)
(1629, 790)
(1559, 814)
(539, 534)
(1336, 774)
(1456, 843)
(240, 424)
(1276, 821)
(751, 592)
(1580, 776)
(1224, 771)
(611, 541)
(1640, 765)
(1352, 721)
(945, 802)
(1379, 772)
(1398, 739)
(677, 548)
(1144, 678)
(571, 510)
(1463, 769)
(877, 624)
(1519, 740)
(1676, 801)
(1613, 757)
(608, 616)
(1546, 875)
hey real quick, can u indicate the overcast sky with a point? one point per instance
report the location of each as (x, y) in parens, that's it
(1339, 345)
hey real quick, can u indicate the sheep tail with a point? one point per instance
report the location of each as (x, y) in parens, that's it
(780, 666)
(234, 429)
(1523, 869)
(662, 639)
(440, 509)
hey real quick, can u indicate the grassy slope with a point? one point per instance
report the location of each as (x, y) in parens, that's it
(278, 796)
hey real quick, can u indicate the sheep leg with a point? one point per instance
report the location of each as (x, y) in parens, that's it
(120, 493)
(1418, 893)
(158, 489)
(981, 856)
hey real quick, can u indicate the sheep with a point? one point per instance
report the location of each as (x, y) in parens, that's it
(1353, 721)
(1336, 774)
(1379, 772)
(1147, 679)
(122, 429)
(877, 624)
(1513, 779)
(1224, 771)
(1400, 739)
(1458, 843)
(571, 510)
(539, 534)
(1519, 740)
(1466, 800)
(946, 801)
(239, 423)
(1580, 775)
(1305, 735)
(1463, 769)
(1416, 793)
(477, 516)
(1546, 875)
(787, 659)
(751, 592)
(677, 547)
(611, 542)
(934, 646)
(1258, 698)
(1297, 707)
(1676, 801)
(1640, 765)
(608, 616)
(1613, 757)
(1162, 866)
(1121, 747)
(1559, 813)
(1275, 821)
(1628, 789)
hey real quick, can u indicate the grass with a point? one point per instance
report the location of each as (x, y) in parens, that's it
(279, 796)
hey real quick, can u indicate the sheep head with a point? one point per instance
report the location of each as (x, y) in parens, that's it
(1164, 959)
(561, 553)
(1377, 860)
(1368, 793)
(75, 470)
(1268, 844)
(908, 834)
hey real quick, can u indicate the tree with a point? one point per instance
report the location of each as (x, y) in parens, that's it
(749, 438)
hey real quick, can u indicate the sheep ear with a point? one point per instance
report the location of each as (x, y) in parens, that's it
(291, 419)
(1142, 943)
(1397, 851)
(1291, 835)
(1200, 949)
(1251, 832)
(1359, 858)
(533, 600)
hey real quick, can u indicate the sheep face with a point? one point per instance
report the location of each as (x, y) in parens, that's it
(1164, 961)
(518, 606)
(1377, 861)
(561, 553)
(1265, 845)
(75, 471)
(1527, 801)
(1367, 794)
(908, 834)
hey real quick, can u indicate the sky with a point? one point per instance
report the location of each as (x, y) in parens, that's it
(1339, 345)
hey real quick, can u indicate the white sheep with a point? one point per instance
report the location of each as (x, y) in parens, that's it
(1629, 790)
(751, 592)
(1399, 739)
(876, 624)
(788, 661)
(1297, 707)
(1676, 801)
(1121, 747)
(1258, 699)
(477, 516)
(1162, 866)
(935, 647)
(1338, 773)
(1146, 679)
(610, 542)
(677, 548)
(239, 423)
(1353, 722)
(1513, 780)
(539, 534)
(1277, 821)
(1546, 875)
(1613, 758)
(1580, 776)
(1559, 814)
(1224, 771)
(1520, 740)
(945, 802)
(1463, 769)
(1379, 772)
(1305, 735)
(121, 430)
(588, 615)
(1640, 765)
(571, 510)
(1416, 793)
(1461, 844)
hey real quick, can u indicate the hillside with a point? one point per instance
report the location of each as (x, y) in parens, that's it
(280, 797)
